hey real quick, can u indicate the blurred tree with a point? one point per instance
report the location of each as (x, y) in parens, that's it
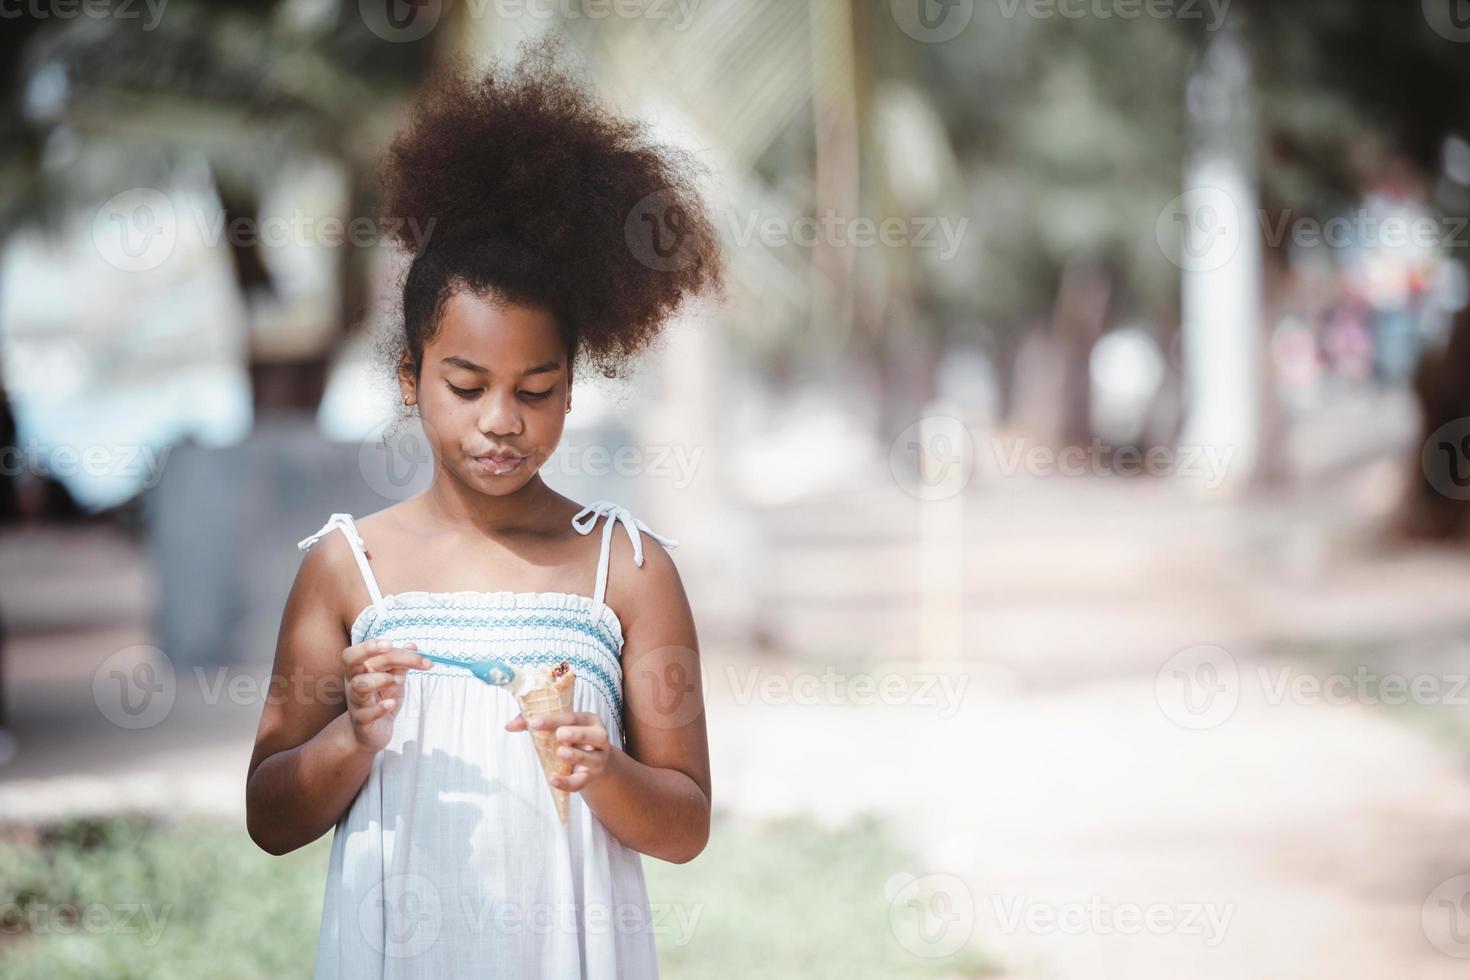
(1053, 146)
(758, 78)
(1070, 135)
(1333, 77)
(95, 105)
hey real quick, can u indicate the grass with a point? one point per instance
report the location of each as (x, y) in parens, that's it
(1428, 670)
(127, 898)
(791, 900)
(178, 902)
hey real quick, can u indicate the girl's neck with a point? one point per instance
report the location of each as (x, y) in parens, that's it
(449, 502)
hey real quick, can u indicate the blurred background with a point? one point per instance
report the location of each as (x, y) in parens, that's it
(1071, 491)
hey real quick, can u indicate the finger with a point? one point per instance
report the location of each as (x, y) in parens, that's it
(371, 682)
(355, 654)
(576, 756)
(574, 783)
(516, 724)
(363, 685)
(557, 718)
(367, 699)
(400, 659)
(375, 653)
(372, 712)
(582, 734)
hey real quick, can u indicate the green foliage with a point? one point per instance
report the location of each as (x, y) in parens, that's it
(1071, 135)
(184, 901)
(791, 900)
(787, 899)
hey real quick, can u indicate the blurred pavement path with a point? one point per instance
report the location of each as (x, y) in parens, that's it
(1064, 791)
(1051, 777)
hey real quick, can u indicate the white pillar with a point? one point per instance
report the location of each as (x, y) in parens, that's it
(1217, 245)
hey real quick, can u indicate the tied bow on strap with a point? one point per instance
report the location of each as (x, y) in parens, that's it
(344, 521)
(586, 520)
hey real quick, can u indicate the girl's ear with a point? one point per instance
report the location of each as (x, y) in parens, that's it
(407, 383)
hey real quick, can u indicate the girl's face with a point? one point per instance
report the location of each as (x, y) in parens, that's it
(493, 391)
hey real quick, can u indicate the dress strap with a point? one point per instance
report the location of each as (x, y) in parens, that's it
(586, 520)
(344, 523)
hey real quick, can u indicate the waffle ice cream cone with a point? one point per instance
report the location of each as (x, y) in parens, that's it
(544, 692)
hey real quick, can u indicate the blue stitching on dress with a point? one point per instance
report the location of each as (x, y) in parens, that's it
(496, 619)
(490, 619)
(588, 670)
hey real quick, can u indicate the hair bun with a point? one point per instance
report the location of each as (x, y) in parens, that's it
(535, 191)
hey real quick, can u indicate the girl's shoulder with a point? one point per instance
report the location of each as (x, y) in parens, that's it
(639, 569)
(338, 565)
(327, 568)
(335, 538)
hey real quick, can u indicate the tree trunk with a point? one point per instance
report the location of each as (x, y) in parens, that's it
(1437, 504)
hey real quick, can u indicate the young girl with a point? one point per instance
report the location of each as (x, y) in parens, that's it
(449, 859)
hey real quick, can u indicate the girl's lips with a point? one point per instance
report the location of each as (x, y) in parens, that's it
(499, 467)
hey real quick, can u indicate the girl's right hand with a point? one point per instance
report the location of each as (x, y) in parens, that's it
(373, 673)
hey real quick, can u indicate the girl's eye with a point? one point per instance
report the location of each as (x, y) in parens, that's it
(475, 392)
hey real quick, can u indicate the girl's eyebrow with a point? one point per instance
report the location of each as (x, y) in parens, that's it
(460, 362)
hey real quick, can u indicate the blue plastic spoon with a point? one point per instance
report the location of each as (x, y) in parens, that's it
(496, 672)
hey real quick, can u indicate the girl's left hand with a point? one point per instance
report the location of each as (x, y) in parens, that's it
(583, 741)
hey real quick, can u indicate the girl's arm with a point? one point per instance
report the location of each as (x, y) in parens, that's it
(310, 760)
(655, 796)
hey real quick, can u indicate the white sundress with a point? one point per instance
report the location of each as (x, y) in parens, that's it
(451, 861)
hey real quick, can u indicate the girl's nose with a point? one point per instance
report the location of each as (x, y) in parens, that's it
(501, 415)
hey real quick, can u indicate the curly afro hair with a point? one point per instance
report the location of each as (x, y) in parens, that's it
(540, 196)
